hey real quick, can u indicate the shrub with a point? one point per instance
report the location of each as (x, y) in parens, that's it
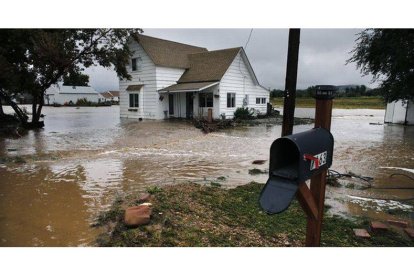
(83, 102)
(243, 113)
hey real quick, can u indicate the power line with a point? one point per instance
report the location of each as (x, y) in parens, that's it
(250, 35)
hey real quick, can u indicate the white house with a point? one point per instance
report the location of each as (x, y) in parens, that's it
(400, 112)
(111, 96)
(65, 94)
(171, 79)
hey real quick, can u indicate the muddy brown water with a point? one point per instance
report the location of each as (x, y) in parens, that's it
(84, 158)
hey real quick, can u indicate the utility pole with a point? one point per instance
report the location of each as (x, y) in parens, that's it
(290, 83)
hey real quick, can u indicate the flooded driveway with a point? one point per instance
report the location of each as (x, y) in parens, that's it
(54, 182)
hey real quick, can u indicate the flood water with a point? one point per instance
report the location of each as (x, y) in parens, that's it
(84, 158)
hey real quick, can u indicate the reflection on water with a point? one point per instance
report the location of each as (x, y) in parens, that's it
(84, 158)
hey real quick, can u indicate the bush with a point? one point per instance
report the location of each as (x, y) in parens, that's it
(83, 102)
(243, 113)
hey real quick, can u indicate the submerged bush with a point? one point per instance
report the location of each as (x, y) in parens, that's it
(83, 102)
(243, 113)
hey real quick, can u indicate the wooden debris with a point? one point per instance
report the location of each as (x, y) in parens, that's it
(362, 233)
(399, 223)
(377, 226)
(258, 162)
(410, 232)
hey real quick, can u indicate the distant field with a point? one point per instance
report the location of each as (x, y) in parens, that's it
(346, 103)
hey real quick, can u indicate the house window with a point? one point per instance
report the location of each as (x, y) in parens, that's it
(205, 100)
(134, 64)
(260, 100)
(257, 100)
(134, 100)
(263, 100)
(231, 99)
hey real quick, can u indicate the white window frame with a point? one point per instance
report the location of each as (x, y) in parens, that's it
(232, 102)
(135, 102)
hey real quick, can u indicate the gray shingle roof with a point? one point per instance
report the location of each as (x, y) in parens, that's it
(209, 66)
(167, 53)
(188, 86)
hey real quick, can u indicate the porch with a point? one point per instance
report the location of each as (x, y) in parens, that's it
(190, 100)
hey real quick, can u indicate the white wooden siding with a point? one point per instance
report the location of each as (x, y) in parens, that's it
(410, 113)
(239, 80)
(400, 112)
(166, 77)
(148, 105)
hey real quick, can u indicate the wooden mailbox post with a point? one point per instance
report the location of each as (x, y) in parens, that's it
(312, 199)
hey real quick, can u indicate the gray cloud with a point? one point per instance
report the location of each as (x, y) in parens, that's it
(322, 55)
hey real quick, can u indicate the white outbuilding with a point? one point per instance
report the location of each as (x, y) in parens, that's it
(400, 112)
(176, 80)
(65, 94)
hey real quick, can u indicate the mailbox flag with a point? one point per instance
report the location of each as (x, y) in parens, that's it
(277, 194)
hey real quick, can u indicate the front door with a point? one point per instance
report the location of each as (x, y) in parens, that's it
(189, 105)
(171, 104)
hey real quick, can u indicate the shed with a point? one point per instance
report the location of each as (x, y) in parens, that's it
(400, 112)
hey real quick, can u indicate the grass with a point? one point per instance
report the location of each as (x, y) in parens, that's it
(255, 171)
(344, 103)
(203, 215)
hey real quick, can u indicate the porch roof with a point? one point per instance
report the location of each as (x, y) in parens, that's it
(189, 87)
(134, 87)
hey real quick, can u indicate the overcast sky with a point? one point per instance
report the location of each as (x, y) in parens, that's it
(322, 54)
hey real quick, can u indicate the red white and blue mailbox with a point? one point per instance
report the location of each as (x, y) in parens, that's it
(293, 160)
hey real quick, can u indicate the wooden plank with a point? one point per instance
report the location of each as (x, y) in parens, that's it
(323, 114)
(307, 201)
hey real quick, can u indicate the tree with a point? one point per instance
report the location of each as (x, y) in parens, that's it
(34, 59)
(387, 54)
(76, 79)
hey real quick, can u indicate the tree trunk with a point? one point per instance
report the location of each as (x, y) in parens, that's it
(37, 106)
(34, 108)
(1, 109)
(22, 116)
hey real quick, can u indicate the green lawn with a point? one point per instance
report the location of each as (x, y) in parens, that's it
(346, 103)
(207, 215)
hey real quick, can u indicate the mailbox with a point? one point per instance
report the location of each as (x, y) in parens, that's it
(293, 160)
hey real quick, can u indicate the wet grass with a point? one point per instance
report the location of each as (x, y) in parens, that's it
(203, 215)
(257, 171)
(344, 103)
(13, 159)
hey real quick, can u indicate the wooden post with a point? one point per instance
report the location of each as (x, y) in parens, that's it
(290, 82)
(323, 114)
(210, 115)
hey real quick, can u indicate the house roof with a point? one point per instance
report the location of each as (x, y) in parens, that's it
(110, 94)
(68, 89)
(167, 53)
(189, 86)
(106, 95)
(209, 66)
(114, 93)
(134, 87)
(201, 65)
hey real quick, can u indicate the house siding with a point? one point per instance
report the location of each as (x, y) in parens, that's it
(165, 77)
(240, 81)
(400, 112)
(64, 94)
(148, 96)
